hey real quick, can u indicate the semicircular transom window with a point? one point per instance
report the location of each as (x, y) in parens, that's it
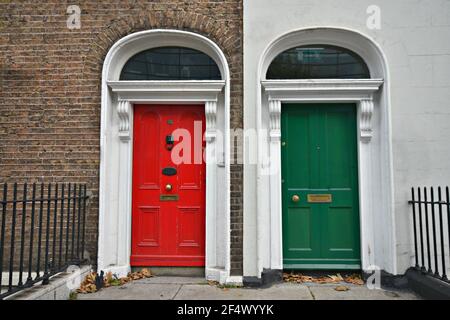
(318, 62)
(170, 63)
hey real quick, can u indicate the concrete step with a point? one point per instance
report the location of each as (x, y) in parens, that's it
(175, 271)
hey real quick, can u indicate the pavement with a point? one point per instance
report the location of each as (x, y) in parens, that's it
(192, 288)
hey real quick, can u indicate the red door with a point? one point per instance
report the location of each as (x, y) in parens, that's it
(168, 213)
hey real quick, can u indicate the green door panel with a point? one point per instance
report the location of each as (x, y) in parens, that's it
(319, 157)
(300, 241)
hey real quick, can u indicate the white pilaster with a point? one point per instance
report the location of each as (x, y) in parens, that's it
(276, 241)
(124, 112)
(211, 177)
(366, 182)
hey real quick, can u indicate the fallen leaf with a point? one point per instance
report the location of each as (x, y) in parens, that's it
(337, 278)
(354, 279)
(341, 288)
(146, 273)
(88, 284)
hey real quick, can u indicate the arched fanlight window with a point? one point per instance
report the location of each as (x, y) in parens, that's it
(170, 63)
(318, 62)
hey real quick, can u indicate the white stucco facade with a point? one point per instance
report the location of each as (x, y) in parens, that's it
(410, 117)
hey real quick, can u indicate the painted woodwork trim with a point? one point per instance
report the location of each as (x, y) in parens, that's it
(360, 92)
(129, 92)
(114, 241)
(262, 244)
(291, 91)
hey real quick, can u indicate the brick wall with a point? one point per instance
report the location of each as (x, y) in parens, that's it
(50, 79)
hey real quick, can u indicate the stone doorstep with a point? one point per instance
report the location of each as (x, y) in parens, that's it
(57, 288)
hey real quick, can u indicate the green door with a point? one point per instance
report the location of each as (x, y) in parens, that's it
(320, 187)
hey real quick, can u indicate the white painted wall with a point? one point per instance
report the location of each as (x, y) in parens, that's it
(415, 38)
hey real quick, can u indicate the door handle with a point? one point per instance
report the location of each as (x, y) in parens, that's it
(295, 198)
(168, 187)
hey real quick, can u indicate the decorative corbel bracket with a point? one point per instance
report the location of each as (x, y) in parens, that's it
(366, 112)
(211, 120)
(123, 111)
(275, 120)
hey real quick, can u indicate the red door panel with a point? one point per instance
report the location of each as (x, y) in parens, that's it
(149, 234)
(147, 133)
(168, 233)
(190, 226)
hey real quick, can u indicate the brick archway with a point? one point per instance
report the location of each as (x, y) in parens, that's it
(216, 31)
(235, 257)
(54, 76)
(228, 41)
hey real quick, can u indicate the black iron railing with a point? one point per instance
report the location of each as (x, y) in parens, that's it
(431, 223)
(42, 232)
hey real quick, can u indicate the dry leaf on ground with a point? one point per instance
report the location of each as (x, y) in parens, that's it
(354, 279)
(88, 284)
(337, 278)
(341, 288)
(146, 273)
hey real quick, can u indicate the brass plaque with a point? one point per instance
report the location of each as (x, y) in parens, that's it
(168, 197)
(320, 198)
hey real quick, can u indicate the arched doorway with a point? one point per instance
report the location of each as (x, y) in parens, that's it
(365, 87)
(163, 71)
(319, 171)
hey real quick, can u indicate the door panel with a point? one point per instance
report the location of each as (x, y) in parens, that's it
(337, 170)
(190, 226)
(190, 175)
(168, 226)
(148, 166)
(149, 231)
(299, 225)
(319, 165)
(301, 123)
(339, 229)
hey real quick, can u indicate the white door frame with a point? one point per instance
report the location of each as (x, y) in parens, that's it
(116, 148)
(375, 148)
(359, 92)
